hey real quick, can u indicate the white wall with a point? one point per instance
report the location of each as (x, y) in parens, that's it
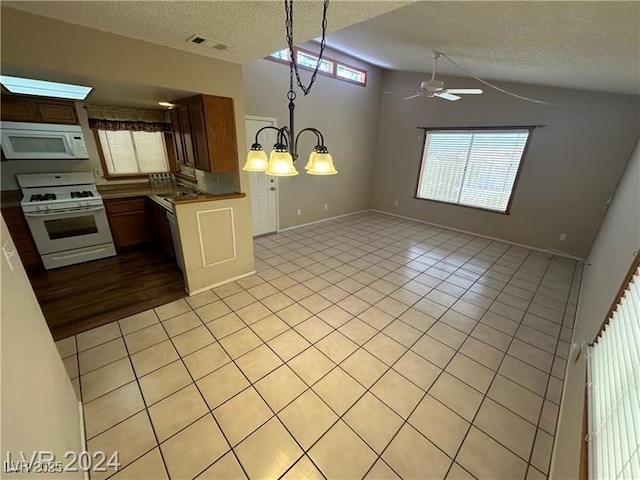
(571, 167)
(345, 113)
(608, 262)
(40, 410)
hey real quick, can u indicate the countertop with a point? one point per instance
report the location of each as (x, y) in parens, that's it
(12, 198)
(137, 190)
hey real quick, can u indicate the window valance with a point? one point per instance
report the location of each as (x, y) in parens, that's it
(120, 118)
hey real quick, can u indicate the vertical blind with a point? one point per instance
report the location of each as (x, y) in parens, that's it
(474, 168)
(613, 389)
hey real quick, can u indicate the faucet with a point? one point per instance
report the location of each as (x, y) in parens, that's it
(192, 189)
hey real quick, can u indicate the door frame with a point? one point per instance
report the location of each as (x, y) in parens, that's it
(274, 122)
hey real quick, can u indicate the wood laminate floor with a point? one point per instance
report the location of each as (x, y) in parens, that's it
(80, 297)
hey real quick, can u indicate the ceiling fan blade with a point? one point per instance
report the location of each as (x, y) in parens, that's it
(414, 96)
(465, 91)
(446, 95)
(400, 93)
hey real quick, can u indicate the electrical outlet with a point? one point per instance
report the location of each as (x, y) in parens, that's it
(395, 203)
(563, 237)
(326, 207)
(299, 211)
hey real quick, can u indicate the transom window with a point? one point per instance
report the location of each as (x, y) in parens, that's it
(329, 67)
(310, 61)
(128, 152)
(472, 167)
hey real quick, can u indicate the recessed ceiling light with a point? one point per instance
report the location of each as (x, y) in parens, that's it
(167, 104)
(43, 88)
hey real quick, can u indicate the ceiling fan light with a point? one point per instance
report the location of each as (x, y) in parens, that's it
(281, 163)
(257, 160)
(322, 165)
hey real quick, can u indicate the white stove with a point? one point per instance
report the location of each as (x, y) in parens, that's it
(56, 191)
(66, 217)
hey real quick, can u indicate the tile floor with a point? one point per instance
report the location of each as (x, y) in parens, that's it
(365, 347)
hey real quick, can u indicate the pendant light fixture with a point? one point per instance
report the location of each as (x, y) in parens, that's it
(285, 152)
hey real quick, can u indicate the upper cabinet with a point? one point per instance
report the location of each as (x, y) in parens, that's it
(204, 131)
(22, 108)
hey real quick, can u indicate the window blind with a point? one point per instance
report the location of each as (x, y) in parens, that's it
(613, 391)
(130, 152)
(473, 168)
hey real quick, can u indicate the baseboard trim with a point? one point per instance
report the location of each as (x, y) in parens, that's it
(530, 247)
(323, 220)
(214, 285)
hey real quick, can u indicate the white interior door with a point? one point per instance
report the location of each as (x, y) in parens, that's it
(264, 200)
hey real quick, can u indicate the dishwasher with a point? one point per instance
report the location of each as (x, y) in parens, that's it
(175, 236)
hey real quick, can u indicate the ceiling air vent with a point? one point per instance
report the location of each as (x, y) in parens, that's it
(206, 42)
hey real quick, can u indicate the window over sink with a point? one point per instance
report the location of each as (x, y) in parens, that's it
(131, 142)
(128, 152)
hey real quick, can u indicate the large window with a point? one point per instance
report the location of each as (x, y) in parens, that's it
(329, 67)
(613, 388)
(473, 167)
(127, 152)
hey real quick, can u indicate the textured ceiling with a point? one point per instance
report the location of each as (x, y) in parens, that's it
(251, 29)
(584, 45)
(593, 45)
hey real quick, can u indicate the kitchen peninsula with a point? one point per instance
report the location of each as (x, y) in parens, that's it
(164, 242)
(209, 243)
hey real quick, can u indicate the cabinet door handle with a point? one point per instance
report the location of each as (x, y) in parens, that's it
(273, 189)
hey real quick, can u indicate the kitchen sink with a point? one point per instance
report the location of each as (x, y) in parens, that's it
(177, 194)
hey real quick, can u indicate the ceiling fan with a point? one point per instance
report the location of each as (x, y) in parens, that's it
(435, 88)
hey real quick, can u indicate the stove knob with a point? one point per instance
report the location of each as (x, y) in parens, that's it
(40, 208)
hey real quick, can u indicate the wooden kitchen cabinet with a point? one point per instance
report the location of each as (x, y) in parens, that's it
(19, 230)
(205, 125)
(176, 131)
(199, 136)
(26, 108)
(187, 135)
(160, 226)
(129, 223)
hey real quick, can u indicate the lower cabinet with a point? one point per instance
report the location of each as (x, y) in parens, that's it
(160, 226)
(129, 222)
(138, 221)
(21, 235)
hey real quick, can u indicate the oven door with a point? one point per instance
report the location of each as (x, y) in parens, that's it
(63, 230)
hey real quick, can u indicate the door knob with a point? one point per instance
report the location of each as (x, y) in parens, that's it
(273, 189)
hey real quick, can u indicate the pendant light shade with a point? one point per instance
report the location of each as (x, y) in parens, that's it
(257, 160)
(281, 163)
(322, 164)
(311, 157)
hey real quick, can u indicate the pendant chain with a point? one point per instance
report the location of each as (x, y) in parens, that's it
(293, 66)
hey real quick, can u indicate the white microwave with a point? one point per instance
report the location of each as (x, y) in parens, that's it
(42, 141)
